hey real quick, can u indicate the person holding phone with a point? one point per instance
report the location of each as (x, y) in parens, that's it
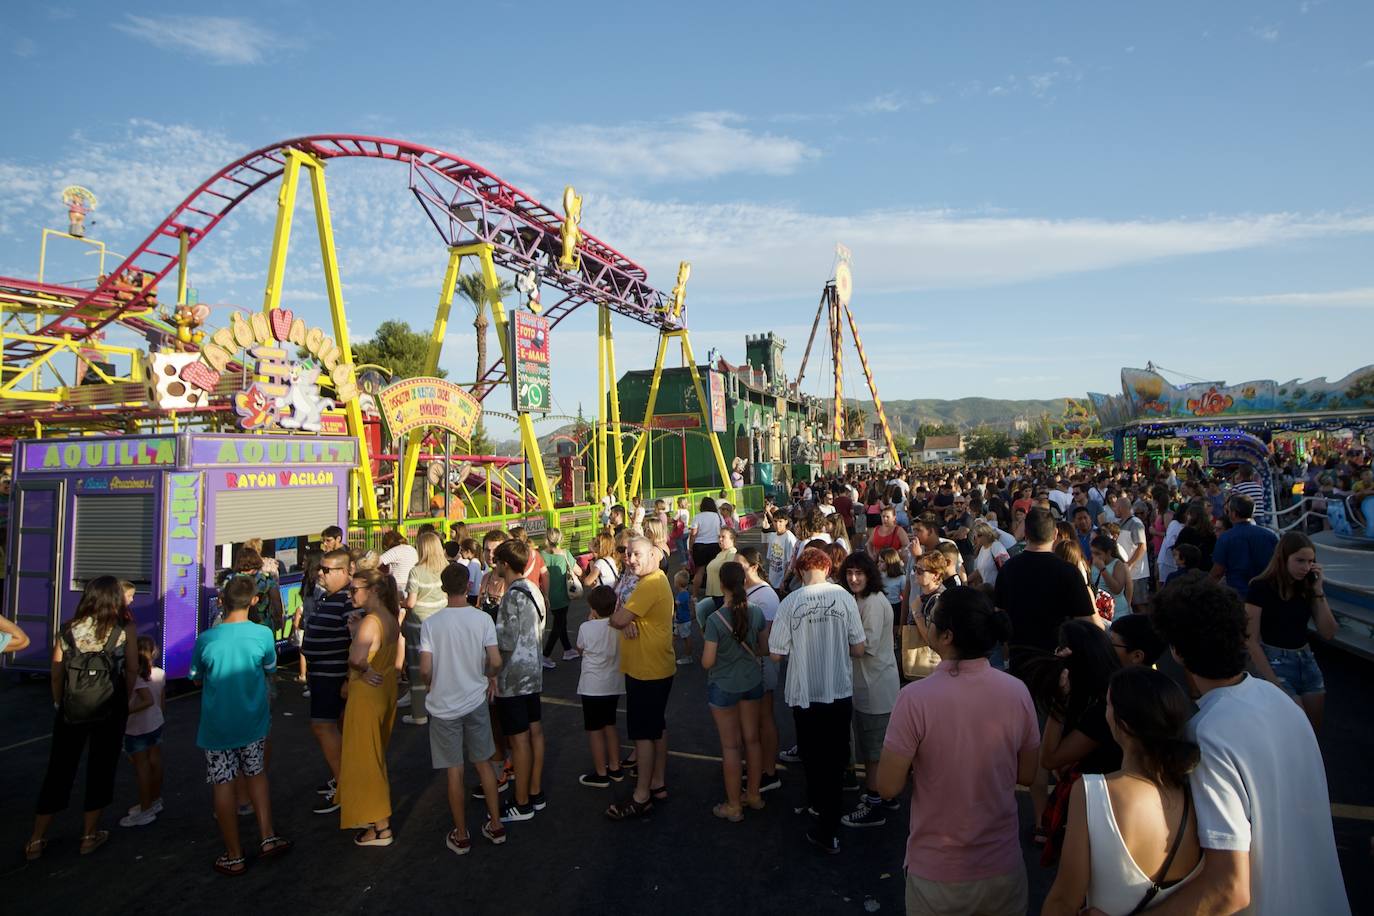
(1290, 593)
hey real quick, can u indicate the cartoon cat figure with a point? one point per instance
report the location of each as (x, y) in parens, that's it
(303, 397)
(569, 233)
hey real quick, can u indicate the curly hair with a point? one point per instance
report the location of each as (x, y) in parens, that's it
(1205, 623)
(873, 580)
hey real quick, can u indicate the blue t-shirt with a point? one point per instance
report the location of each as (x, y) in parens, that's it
(682, 607)
(231, 663)
(1245, 551)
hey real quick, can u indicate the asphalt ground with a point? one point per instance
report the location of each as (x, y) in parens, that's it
(569, 859)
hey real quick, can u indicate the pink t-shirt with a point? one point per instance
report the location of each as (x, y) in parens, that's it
(963, 729)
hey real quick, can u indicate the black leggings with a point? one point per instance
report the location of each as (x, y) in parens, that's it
(558, 630)
(106, 739)
(823, 741)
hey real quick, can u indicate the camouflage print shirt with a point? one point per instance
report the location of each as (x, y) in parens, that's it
(519, 621)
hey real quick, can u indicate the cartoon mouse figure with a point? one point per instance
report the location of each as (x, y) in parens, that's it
(188, 319)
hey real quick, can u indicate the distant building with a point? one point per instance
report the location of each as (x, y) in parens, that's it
(760, 418)
(938, 449)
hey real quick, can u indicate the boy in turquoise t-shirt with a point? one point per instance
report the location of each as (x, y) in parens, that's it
(231, 663)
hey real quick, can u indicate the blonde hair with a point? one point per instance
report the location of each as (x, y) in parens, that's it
(553, 537)
(431, 550)
(982, 529)
(682, 579)
(655, 531)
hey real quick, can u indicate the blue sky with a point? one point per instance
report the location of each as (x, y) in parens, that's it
(1035, 194)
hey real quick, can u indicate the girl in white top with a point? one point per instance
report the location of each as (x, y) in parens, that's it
(1132, 835)
(991, 554)
(143, 735)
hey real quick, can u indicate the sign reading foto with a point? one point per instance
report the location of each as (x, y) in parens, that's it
(418, 403)
(530, 345)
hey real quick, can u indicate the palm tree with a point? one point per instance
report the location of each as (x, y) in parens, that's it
(474, 289)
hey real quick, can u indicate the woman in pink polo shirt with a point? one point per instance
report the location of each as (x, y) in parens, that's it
(969, 732)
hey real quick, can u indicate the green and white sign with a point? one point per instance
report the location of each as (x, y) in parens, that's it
(530, 345)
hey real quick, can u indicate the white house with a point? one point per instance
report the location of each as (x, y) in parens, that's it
(939, 449)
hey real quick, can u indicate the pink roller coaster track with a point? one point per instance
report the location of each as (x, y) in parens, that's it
(522, 229)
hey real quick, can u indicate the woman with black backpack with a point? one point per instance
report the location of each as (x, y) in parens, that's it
(91, 686)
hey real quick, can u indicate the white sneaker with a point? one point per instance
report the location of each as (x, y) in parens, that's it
(571, 654)
(404, 701)
(415, 720)
(549, 664)
(141, 819)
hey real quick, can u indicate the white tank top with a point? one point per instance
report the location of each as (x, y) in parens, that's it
(1116, 884)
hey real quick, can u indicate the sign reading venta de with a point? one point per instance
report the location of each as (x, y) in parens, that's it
(417, 403)
(259, 329)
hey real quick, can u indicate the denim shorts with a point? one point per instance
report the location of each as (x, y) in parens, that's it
(1296, 670)
(133, 744)
(724, 699)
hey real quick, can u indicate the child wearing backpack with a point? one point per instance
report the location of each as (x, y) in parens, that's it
(91, 685)
(232, 663)
(143, 735)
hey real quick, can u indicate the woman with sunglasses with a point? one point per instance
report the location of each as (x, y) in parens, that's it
(364, 794)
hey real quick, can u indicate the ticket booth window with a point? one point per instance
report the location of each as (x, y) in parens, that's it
(113, 536)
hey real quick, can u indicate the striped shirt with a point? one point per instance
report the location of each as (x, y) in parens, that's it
(814, 627)
(1255, 491)
(327, 639)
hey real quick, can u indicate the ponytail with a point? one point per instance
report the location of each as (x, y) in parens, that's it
(737, 599)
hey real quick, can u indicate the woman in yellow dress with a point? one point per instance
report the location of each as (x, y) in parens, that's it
(364, 793)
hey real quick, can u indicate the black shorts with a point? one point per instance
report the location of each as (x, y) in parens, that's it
(702, 554)
(599, 712)
(517, 713)
(326, 705)
(646, 703)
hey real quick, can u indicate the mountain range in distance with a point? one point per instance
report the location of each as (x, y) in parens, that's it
(967, 414)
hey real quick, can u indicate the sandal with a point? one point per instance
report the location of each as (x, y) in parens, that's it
(93, 841)
(360, 838)
(756, 802)
(274, 846)
(625, 811)
(726, 812)
(660, 794)
(629, 765)
(33, 850)
(231, 867)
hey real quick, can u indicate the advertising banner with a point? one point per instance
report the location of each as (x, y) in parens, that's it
(418, 403)
(529, 345)
(716, 392)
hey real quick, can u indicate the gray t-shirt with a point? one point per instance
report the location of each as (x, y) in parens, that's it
(519, 621)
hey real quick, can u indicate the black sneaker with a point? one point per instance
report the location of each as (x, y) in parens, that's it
(769, 782)
(850, 783)
(595, 780)
(501, 785)
(830, 847)
(514, 812)
(615, 775)
(891, 804)
(538, 802)
(328, 805)
(865, 815)
(325, 788)
(791, 755)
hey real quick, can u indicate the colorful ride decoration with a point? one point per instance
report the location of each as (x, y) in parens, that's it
(1146, 396)
(80, 203)
(424, 402)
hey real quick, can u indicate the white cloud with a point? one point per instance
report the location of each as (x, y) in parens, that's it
(1358, 297)
(217, 39)
(1266, 33)
(928, 98)
(24, 47)
(887, 103)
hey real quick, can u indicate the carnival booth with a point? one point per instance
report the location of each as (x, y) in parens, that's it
(166, 513)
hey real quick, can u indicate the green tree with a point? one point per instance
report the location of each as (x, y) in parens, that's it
(398, 348)
(903, 444)
(474, 289)
(855, 422)
(480, 443)
(926, 430)
(983, 444)
(1028, 442)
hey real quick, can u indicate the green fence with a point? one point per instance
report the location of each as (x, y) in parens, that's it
(578, 523)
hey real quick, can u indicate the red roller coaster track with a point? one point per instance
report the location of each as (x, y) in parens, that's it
(523, 231)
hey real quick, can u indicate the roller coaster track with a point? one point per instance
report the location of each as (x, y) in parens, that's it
(465, 203)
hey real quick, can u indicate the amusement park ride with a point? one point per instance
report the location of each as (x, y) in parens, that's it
(181, 424)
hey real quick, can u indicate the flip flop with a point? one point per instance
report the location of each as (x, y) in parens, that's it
(231, 867)
(660, 794)
(34, 849)
(629, 810)
(93, 841)
(274, 846)
(725, 812)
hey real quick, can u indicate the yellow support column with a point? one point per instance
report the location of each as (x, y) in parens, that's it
(705, 411)
(618, 441)
(276, 269)
(603, 482)
(645, 442)
(183, 247)
(410, 460)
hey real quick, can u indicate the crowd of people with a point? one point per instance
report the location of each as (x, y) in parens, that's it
(1127, 647)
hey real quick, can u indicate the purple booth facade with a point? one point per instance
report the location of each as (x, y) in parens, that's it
(165, 512)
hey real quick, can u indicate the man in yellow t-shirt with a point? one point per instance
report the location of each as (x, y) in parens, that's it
(644, 618)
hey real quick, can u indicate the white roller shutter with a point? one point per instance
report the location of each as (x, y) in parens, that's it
(273, 513)
(114, 537)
